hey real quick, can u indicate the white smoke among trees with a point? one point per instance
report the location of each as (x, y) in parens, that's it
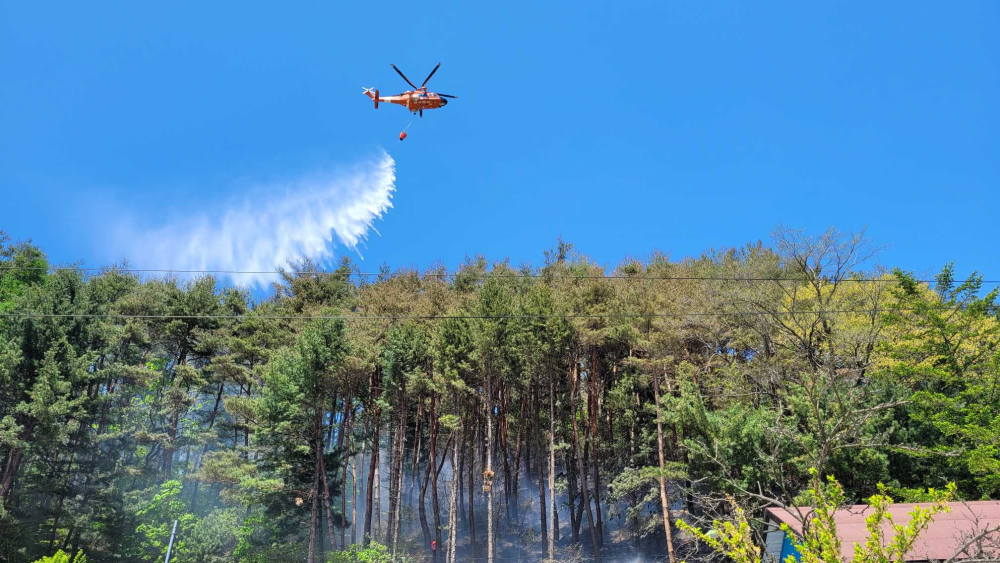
(293, 221)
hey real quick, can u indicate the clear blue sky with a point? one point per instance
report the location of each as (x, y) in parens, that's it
(623, 127)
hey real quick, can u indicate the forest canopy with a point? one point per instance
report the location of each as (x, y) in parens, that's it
(563, 410)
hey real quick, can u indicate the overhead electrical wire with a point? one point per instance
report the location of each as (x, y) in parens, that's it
(296, 273)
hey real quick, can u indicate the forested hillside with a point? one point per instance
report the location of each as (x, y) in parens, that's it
(494, 412)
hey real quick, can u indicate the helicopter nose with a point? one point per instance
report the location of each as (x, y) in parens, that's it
(444, 102)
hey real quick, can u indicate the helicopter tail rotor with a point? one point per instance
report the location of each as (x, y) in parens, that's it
(372, 94)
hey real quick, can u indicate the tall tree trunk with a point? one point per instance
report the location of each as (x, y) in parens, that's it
(14, 456)
(374, 390)
(594, 411)
(531, 448)
(362, 467)
(472, 479)
(488, 473)
(372, 472)
(75, 545)
(462, 513)
(542, 521)
(579, 506)
(663, 483)
(401, 438)
(326, 501)
(395, 472)
(424, 526)
(69, 537)
(569, 463)
(311, 557)
(522, 420)
(504, 443)
(346, 447)
(456, 476)
(10, 469)
(580, 466)
(378, 500)
(552, 471)
(414, 475)
(432, 461)
(354, 494)
(393, 457)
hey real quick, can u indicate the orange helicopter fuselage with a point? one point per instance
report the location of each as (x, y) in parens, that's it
(414, 100)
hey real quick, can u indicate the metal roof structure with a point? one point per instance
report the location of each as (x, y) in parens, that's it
(945, 536)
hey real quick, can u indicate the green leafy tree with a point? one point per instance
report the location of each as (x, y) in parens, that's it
(157, 517)
(947, 351)
(298, 388)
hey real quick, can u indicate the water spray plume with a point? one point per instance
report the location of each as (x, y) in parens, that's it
(297, 220)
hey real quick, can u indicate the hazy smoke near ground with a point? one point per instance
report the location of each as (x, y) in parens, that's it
(280, 223)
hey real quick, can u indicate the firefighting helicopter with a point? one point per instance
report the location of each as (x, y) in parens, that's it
(416, 100)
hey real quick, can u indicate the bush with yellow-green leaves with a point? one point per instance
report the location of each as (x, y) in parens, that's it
(63, 557)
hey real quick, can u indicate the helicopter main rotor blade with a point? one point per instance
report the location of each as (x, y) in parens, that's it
(403, 75)
(430, 75)
(447, 96)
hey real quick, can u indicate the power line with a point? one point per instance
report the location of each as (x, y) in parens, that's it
(296, 273)
(454, 317)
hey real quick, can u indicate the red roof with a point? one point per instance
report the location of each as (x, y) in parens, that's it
(945, 535)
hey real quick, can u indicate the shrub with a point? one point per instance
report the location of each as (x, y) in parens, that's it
(63, 557)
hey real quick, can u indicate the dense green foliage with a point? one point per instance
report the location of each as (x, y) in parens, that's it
(339, 409)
